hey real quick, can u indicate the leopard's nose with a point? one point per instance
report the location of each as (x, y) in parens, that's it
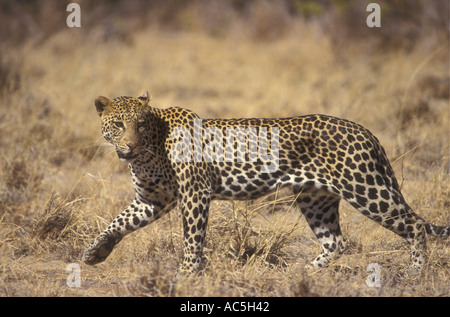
(132, 146)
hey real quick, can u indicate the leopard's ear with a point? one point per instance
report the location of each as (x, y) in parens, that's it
(102, 104)
(145, 98)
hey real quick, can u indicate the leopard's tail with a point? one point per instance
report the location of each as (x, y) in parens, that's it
(437, 231)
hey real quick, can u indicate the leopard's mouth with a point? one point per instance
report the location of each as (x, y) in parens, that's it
(126, 157)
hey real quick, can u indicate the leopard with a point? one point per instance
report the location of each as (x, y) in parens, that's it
(175, 158)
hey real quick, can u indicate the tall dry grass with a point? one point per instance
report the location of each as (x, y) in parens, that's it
(61, 184)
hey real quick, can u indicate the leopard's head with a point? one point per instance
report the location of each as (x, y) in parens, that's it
(124, 124)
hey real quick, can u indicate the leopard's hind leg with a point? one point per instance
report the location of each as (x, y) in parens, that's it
(383, 202)
(320, 209)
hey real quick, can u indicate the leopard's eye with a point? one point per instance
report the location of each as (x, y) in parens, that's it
(118, 124)
(141, 124)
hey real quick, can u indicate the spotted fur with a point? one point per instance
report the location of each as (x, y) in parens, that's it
(322, 159)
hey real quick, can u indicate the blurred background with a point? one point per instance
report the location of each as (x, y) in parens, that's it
(219, 58)
(404, 23)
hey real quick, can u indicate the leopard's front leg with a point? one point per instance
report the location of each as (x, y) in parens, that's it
(195, 212)
(100, 249)
(137, 215)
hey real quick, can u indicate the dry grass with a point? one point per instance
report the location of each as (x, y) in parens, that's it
(60, 184)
